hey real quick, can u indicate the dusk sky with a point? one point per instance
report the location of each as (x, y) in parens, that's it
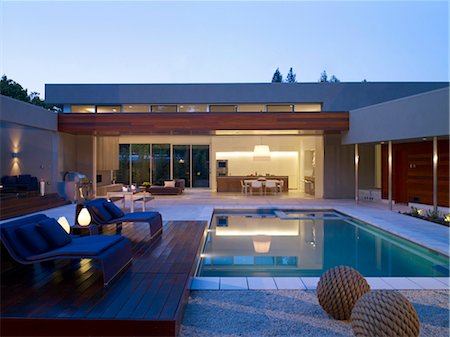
(194, 42)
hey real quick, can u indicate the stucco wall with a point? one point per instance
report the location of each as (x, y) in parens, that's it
(37, 152)
(31, 132)
(424, 115)
(339, 169)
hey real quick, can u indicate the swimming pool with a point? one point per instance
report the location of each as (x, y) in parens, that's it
(275, 242)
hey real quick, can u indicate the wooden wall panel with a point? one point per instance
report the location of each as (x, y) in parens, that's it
(117, 123)
(413, 172)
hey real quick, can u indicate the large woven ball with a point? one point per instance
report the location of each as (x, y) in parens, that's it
(338, 290)
(384, 313)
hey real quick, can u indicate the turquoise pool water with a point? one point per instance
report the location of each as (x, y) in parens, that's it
(273, 242)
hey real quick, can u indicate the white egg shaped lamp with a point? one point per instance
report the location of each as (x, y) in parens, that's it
(84, 217)
(64, 224)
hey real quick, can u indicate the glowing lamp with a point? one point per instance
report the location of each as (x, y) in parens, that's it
(261, 243)
(64, 224)
(84, 217)
(261, 152)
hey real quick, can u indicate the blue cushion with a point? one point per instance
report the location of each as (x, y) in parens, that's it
(31, 237)
(24, 179)
(52, 231)
(100, 212)
(115, 211)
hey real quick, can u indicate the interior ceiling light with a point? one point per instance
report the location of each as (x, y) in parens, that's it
(261, 152)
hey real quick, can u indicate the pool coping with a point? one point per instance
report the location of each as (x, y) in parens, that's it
(310, 283)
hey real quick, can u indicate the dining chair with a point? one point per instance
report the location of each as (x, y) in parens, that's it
(255, 184)
(271, 186)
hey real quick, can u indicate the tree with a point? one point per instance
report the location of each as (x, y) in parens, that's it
(334, 79)
(13, 89)
(323, 76)
(277, 77)
(10, 88)
(290, 78)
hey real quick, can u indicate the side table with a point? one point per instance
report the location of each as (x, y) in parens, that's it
(91, 229)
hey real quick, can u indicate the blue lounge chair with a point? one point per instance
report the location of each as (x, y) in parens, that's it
(38, 238)
(104, 212)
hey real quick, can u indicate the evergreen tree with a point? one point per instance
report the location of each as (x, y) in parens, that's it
(290, 78)
(323, 77)
(277, 77)
(334, 79)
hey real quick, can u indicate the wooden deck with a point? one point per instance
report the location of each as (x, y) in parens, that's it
(68, 298)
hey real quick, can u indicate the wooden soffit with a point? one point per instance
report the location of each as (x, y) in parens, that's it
(138, 123)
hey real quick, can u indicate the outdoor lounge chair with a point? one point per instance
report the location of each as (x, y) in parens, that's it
(104, 212)
(38, 238)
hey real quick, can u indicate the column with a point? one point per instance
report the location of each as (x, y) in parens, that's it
(390, 174)
(435, 178)
(94, 166)
(356, 173)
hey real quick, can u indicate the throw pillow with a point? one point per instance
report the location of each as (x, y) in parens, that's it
(169, 183)
(101, 213)
(115, 211)
(53, 233)
(32, 239)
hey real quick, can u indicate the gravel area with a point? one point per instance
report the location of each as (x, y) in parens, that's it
(292, 313)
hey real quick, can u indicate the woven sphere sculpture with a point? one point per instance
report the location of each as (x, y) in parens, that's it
(338, 290)
(384, 313)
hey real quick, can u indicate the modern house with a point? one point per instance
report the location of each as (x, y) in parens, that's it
(367, 140)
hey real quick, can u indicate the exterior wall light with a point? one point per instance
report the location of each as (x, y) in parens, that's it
(14, 155)
(84, 217)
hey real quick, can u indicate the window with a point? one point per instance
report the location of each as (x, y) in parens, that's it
(164, 108)
(108, 108)
(82, 108)
(136, 108)
(222, 108)
(280, 108)
(252, 108)
(308, 107)
(182, 163)
(192, 108)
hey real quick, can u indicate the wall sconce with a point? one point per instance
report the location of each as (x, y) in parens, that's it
(64, 224)
(14, 155)
(84, 217)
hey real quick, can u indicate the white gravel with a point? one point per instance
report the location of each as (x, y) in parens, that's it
(291, 313)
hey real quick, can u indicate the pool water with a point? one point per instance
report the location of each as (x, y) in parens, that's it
(273, 242)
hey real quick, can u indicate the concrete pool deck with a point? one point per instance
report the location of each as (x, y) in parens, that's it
(198, 205)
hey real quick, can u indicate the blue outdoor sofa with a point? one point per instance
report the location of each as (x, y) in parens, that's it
(104, 212)
(38, 238)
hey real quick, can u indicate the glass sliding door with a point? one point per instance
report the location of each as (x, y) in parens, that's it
(160, 163)
(181, 163)
(140, 163)
(123, 173)
(200, 165)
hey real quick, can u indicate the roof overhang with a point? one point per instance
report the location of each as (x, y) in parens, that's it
(198, 123)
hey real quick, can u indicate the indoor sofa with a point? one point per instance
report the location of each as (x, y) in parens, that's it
(38, 238)
(21, 183)
(171, 187)
(104, 212)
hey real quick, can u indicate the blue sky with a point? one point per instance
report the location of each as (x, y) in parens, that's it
(210, 41)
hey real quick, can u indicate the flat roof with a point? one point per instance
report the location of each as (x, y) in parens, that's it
(340, 96)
